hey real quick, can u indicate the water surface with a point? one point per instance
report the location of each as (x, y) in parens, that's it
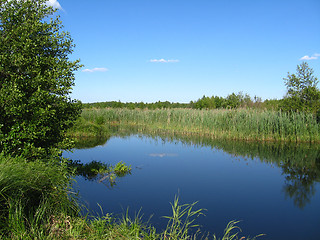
(272, 189)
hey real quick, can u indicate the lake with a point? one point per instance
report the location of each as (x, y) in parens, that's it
(273, 189)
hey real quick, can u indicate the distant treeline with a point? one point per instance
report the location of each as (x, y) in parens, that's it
(232, 101)
(139, 105)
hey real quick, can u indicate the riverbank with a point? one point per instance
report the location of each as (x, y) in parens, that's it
(239, 124)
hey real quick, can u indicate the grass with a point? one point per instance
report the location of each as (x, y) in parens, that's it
(31, 192)
(232, 232)
(239, 124)
(88, 129)
(182, 220)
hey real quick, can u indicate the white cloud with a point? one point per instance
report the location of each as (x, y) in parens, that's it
(95, 70)
(313, 57)
(163, 60)
(308, 58)
(54, 4)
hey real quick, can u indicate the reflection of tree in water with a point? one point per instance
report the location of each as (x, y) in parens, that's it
(90, 142)
(300, 182)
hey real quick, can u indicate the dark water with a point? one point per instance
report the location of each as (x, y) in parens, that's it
(273, 189)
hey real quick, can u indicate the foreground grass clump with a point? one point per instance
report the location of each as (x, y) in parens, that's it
(239, 124)
(31, 192)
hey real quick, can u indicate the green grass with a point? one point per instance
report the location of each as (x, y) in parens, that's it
(88, 129)
(30, 192)
(182, 220)
(239, 124)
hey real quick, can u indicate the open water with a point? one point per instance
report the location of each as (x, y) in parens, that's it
(272, 189)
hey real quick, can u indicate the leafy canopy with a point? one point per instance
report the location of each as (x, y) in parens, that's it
(302, 92)
(36, 78)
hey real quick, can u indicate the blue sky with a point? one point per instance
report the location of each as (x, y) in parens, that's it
(180, 50)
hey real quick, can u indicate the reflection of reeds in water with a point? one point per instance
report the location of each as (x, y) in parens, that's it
(299, 163)
(241, 124)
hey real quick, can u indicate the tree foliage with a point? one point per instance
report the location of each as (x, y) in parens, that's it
(232, 101)
(36, 79)
(302, 92)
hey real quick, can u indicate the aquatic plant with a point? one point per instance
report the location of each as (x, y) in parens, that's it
(239, 124)
(121, 169)
(99, 171)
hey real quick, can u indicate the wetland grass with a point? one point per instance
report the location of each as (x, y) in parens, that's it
(239, 124)
(31, 192)
(84, 129)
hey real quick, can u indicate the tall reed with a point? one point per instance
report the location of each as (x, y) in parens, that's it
(241, 124)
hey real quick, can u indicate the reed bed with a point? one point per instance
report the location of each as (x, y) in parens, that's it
(239, 124)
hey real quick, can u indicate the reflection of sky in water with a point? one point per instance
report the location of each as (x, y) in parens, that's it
(229, 187)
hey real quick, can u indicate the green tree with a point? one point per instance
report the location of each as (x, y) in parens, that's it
(218, 101)
(233, 101)
(204, 103)
(302, 92)
(36, 79)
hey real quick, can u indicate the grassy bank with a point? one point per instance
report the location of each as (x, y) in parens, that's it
(240, 124)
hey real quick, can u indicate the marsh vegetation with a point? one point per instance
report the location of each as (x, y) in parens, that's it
(239, 124)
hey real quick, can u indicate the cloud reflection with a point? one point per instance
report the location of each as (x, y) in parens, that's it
(163, 155)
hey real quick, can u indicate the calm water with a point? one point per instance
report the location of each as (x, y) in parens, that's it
(272, 189)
